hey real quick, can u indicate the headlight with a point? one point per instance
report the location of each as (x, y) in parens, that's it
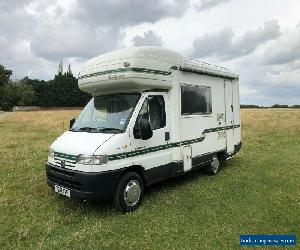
(51, 153)
(92, 159)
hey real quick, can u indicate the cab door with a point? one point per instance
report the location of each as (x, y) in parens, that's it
(154, 152)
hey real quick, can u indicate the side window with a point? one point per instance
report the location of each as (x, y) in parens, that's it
(144, 111)
(195, 100)
(153, 110)
(157, 115)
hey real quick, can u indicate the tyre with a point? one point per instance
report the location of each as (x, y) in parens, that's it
(129, 192)
(214, 166)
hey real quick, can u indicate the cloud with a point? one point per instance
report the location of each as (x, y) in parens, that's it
(268, 95)
(74, 40)
(149, 39)
(13, 5)
(35, 34)
(95, 27)
(224, 44)
(268, 84)
(62, 35)
(275, 73)
(213, 44)
(71, 29)
(129, 12)
(285, 50)
(208, 4)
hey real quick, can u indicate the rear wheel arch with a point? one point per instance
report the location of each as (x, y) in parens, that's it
(222, 156)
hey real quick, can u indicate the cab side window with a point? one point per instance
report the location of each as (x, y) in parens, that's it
(153, 110)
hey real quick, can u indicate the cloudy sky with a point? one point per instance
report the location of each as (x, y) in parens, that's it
(259, 39)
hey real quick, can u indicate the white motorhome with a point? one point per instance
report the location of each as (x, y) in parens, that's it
(154, 114)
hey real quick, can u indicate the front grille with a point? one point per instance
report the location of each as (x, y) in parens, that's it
(57, 162)
(68, 160)
(63, 182)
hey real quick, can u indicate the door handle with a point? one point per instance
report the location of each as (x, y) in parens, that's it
(167, 136)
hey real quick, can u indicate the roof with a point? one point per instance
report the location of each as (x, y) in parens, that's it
(204, 68)
(153, 52)
(157, 58)
(150, 59)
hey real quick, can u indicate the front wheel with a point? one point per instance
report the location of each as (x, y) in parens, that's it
(213, 167)
(129, 192)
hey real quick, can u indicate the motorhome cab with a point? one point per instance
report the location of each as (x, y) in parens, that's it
(154, 114)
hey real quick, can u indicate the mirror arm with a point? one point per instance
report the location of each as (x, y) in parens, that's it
(72, 121)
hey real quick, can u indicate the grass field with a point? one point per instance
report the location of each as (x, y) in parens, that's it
(257, 192)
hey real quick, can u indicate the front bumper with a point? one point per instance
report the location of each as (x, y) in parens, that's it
(83, 185)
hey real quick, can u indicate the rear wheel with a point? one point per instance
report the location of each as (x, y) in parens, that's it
(129, 192)
(213, 167)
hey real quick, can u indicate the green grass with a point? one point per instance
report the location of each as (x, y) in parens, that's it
(257, 192)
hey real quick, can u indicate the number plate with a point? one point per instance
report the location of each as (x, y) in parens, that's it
(62, 190)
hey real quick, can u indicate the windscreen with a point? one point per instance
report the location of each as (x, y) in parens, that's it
(106, 113)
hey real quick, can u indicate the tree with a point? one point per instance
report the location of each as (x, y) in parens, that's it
(8, 96)
(295, 106)
(4, 75)
(279, 106)
(41, 89)
(4, 80)
(17, 94)
(69, 72)
(65, 91)
(250, 106)
(62, 91)
(25, 93)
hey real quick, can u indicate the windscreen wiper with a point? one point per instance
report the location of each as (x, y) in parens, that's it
(87, 129)
(103, 129)
(96, 130)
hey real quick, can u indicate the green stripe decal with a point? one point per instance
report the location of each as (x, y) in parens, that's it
(124, 70)
(167, 146)
(152, 149)
(66, 156)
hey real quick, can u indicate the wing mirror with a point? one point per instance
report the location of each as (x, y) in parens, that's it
(144, 131)
(72, 121)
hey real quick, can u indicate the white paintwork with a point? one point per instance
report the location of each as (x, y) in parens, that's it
(181, 128)
(79, 142)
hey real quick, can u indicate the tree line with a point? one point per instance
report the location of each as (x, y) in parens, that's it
(61, 91)
(251, 106)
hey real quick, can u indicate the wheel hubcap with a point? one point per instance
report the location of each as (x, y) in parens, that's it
(132, 193)
(215, 163)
